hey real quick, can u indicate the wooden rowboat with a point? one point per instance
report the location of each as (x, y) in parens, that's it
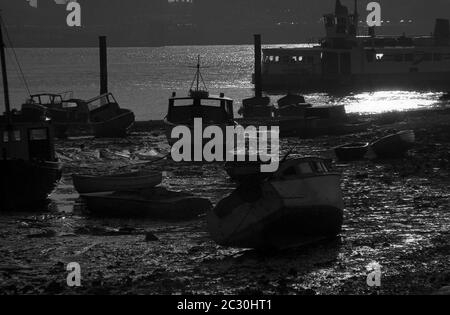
(117, 182)
(156, 203)
(351, 151)
(394, 146)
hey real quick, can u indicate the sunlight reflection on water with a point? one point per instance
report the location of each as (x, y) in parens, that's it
(143, 79)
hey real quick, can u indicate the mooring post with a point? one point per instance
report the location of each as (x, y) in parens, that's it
(258, 79)
(103, 65)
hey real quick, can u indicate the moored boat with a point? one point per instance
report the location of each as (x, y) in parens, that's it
(394, 146)
(199, 104)
(157, 203)
(299, 204)
(28, 166)
(100, 116)
(116, 182)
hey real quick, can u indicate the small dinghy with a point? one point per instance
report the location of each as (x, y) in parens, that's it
(299, 204)
(394, 146)
(156, 203)
(351, 151)
(117, 182)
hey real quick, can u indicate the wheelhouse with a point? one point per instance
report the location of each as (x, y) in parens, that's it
(212, 109)
(26, 141)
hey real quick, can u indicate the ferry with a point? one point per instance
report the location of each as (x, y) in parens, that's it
(344, 59)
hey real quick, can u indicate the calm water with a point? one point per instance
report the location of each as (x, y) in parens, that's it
(142, 79)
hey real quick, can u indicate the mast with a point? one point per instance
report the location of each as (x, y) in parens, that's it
(4, 73)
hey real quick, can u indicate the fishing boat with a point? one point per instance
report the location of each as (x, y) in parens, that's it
(213, 110)
(28, 166)
(292, 105)
(351, 151)
(156, 203)
(345, 59)
(299, 204)
(116, 182)
(100, 116)
(394, 146)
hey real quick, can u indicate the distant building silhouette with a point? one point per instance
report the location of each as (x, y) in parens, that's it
(188, 22)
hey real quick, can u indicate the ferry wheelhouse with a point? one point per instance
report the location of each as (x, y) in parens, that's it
(343, 59)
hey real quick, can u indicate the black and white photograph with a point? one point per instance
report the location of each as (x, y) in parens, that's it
(224, 153)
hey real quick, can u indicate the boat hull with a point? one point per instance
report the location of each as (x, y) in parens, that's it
(122, 182)
(159, 206)
(116, 127)
(394, 146)
(26, 185)
(351, 152)
(281, 215)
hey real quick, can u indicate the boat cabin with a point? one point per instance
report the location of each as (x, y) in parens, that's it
(24, 140)
(199, 104)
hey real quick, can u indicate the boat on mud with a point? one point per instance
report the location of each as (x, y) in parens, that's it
(100, 116)
(352, 151)
(299, 204)
(28, 166)
(199, 104)
(394, 146)
(116, 182)
(156, 203)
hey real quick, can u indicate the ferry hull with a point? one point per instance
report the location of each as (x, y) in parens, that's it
(421, 81)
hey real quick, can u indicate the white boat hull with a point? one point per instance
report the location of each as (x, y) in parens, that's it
(289, 213)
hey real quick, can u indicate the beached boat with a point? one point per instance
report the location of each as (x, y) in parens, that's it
(116, 182)
(213, 110)
(351, 151)
(100, 116)
(157, 203)
(299, 204)
(28, 167)
(292, 105)
(394, 146)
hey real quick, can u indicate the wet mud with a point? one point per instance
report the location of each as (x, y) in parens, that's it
(397, 215)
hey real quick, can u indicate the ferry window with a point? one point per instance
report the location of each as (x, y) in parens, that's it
(5, 136)
(300, 58)
(38, 134)
(409, 57)
(437, 57)
(379, 57)
(277, 58)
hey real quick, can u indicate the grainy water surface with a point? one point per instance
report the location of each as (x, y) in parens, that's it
(142, 79)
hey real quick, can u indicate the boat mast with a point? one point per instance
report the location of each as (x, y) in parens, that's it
(4, 73)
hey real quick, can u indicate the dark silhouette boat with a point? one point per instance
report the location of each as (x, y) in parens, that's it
(299, 204)
(351, 151)
(212, 109)
(100, 116)
(28, 166)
